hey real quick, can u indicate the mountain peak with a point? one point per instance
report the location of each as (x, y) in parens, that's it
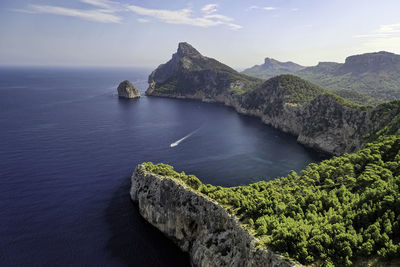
(372, 62)
(185, 49)
(273, 67)
(269, 60)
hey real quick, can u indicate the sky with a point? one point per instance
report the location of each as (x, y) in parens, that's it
(239, 33)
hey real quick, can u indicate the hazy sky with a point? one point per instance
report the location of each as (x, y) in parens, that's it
(238, 33)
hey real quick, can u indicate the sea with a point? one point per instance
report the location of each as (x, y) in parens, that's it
(69, 145)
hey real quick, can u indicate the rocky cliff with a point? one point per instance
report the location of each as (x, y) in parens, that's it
(319, 118)
(127, 90)
(197, 224)
(190, 74)
(372, 74)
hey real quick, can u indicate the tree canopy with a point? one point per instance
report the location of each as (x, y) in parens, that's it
(337, 212)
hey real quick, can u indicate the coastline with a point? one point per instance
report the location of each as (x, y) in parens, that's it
(198, 225)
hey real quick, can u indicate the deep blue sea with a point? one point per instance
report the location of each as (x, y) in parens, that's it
(68, 147)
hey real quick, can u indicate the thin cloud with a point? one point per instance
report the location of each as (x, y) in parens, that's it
(384, 31)
(210, 8)
(267, 8)
(218, 16)
(142, 20)
(92, 15)
(100, 3)
(185, 16)
(390, 28)
(386, 37)
(107, 11)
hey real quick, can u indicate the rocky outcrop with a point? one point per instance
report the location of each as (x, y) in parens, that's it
(318, 118)
(324, 124)
(189, 73)
(197, 224)
(127, 90)
(382, 61)
(373, 74)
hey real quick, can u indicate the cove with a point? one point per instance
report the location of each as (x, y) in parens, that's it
(69, 146)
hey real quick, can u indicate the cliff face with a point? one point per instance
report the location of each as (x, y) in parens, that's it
(324, 124)
(189, 73)
(372, 74)
(127, 90)
(379, 62)
(197, 224)
(318, 118)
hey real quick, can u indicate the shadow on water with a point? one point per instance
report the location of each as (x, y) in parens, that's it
(135, 241)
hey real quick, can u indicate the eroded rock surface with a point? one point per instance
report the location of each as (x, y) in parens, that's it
(197, 224)
(127, 90)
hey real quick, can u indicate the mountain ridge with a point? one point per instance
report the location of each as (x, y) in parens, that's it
(340, 212)
(375, 74)
(187, 63)
(285, 102)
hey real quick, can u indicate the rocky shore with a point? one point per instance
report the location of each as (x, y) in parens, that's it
(324, 122)
(198, 225)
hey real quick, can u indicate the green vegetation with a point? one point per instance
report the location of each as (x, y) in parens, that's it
(357, 97)
(167, 170)
(373, 74)
(299, 91)
(392, 127)
(367, 89)
(338, 212)
(291, 89)
(380, 85)
(192, 73)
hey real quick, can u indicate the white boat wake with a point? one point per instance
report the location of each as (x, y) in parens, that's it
(183, 138)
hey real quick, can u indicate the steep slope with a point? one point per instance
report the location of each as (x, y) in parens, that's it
(341, 212)
(189, 73)
(374, 74)
(271, 68)
(198, 225)
(357, 97)
(380, 62)
(319, 118)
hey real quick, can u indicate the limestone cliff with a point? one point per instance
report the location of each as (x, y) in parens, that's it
(190, 74)
(371, 74)
(319, 118)
(127, 90)
(197, 224)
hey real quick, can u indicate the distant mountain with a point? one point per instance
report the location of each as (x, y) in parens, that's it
(318, 117)
(374, 74)
(272, 67)
(380, 62)
(189, 73)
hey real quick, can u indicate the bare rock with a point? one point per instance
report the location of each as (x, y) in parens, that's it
(127, 90)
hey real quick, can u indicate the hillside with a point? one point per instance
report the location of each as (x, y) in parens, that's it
(341, 212)
(319, 118)
(376, 75)
(189, 73)
(357, 97)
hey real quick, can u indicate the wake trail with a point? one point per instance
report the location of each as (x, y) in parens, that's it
(183, 138)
